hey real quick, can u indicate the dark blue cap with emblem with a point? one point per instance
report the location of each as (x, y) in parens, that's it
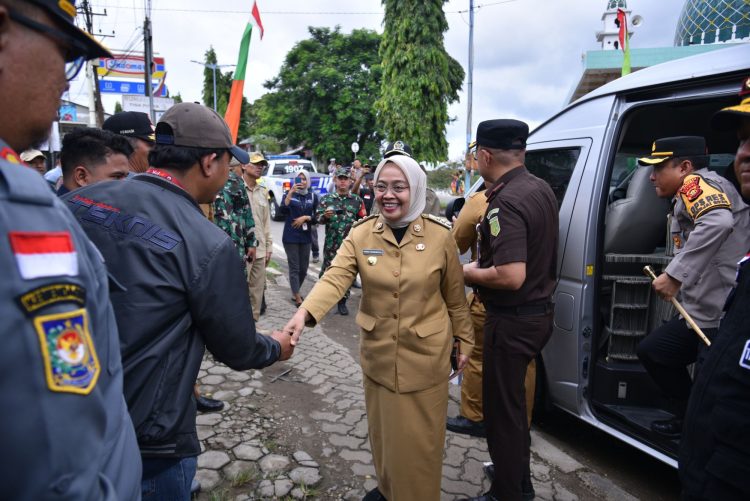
(397, 148)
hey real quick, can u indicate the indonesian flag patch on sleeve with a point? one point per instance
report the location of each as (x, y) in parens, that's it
(44, 254)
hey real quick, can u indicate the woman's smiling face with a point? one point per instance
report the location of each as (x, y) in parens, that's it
(392, 192)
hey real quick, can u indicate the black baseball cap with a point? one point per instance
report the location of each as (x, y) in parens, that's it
(65, 11)
(502, 134)
(195, 126)
(729, 118)
(131, 124)
(674, 147)
(397, 148)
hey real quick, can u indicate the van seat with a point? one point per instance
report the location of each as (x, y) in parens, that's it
(636, 224)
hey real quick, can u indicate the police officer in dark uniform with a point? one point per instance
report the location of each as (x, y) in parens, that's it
(66, 432)
(515, 278)
(714, 455)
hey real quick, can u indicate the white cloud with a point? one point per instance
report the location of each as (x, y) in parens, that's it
(527, 52)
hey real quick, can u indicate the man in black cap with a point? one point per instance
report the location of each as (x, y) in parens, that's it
(515, 277)
(139, 130)
(715, 447)
(710, 230)
(66, 432)
(178, 287)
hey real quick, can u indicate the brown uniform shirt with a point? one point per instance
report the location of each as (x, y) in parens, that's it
(521, 225)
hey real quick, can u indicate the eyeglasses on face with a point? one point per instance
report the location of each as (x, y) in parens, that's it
(73, 49)
(395, 188)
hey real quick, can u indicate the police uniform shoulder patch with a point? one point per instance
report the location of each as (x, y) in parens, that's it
(438, 220)
(368, 218)
(70, 361)
(50, 294)
(700, 197)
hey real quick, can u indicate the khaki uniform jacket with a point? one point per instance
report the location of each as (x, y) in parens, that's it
(465, 226)
(711, 232)
(413, 301)
(262, 215)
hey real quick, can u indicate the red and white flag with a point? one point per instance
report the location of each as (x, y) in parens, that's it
(256, 16)
(44, 254)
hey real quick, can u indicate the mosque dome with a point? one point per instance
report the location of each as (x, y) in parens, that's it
(713, 21)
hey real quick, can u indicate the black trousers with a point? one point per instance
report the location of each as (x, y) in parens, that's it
(666, 352)
(510, 342)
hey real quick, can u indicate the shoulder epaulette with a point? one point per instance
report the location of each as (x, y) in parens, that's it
(438, 220)
(366, 218)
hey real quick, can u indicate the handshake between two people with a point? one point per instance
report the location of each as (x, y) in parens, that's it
(289, 336)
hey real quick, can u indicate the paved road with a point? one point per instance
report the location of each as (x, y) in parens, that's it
(298, 430)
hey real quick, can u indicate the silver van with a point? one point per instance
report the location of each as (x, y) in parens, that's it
(612, 225)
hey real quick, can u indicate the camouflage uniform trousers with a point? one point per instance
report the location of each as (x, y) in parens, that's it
(338, 226)
(233, 214)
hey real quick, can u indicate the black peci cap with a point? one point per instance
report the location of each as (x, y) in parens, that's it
(397, 148)
(131, 124)
(65, 11)
(671, 147)
(503, 134)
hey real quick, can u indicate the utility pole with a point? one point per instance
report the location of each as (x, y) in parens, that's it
(470, 86)
(148, 59)
(213, 68)
(96, 110)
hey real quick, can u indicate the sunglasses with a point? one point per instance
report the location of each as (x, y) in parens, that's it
(74, 49)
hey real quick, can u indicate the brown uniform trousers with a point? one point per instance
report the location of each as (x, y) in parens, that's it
(412, 306)
(465, 233)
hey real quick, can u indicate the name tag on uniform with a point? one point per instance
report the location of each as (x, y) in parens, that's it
(373, 252)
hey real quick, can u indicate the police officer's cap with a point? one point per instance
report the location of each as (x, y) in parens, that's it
(502, 134)
(673, 147)
(342, 172)
(397, 148)
(64, 11)
(729, 118)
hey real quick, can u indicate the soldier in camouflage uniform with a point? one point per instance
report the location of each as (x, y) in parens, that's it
(338, 212)
(234, 215)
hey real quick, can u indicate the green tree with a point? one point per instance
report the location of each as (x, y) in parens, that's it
(323, 95)
(177, 98)
(118, 107)
(420, 79)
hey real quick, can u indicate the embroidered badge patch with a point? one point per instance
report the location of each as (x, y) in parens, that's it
(745, 356)
(700, 200)
(494, 226)
(70, 361)
(44, 254)
(51, 294)
(692, 189)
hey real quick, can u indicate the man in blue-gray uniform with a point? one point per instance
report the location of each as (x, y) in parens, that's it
(179, 287)
(66, 433)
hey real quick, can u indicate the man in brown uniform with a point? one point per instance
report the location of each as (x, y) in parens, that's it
(515, 278)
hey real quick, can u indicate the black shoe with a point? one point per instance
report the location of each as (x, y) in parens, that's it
(206, 404)
(374, 495)
(343, 310)
(671, 428)
(484, 497)
(527, 488)
(460, 424)
(489, 471)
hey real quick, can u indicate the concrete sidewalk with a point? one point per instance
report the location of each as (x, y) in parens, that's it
(251, 448)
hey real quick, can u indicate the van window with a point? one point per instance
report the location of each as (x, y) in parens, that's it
(554, 166)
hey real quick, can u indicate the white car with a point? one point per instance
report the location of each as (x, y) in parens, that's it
(278, 177)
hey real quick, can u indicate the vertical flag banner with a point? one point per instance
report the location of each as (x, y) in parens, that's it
(622, 21)
(234, 108)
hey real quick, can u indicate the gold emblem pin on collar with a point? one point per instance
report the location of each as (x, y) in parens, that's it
(372, 260)
(379, 226)
(417, 228)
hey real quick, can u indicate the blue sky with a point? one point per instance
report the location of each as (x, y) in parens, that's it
(528, 53)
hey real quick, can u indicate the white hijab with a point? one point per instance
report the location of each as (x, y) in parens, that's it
(417, 187)
(303, 172)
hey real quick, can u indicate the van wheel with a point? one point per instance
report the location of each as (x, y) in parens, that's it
(274, 210)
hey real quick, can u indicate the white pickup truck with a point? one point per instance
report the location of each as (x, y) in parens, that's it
(278, 177)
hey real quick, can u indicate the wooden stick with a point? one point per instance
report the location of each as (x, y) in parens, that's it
(650, 273)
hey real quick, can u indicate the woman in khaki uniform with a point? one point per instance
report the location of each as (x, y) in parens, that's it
(413, 304)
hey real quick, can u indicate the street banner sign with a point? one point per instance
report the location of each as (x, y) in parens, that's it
(129, 66)
(140, 103)
(124, 87)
